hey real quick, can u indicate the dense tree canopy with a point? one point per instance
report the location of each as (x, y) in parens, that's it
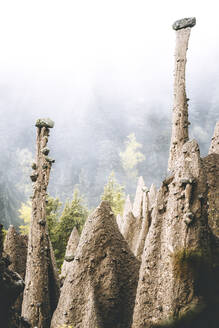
(74, 215)
(60, 225)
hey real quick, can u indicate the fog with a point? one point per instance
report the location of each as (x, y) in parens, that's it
(101, 70)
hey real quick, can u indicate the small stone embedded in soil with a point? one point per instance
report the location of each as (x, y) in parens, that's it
(69, 258)
(34, 166)
(34, 177)
(45, 151)
(49, 160)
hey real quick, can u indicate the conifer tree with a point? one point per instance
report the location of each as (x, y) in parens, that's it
(74, 215)
(114, 194)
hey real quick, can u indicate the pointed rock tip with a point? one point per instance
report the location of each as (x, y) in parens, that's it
(141, 181)
(11, 229)
(75, 231)
(74, 237)
(153, 188)
(184, 23)
(152, 194)
(191, 146)
(214, 147)
(139, 195)
(128, 205)
(104, 205)
(141, 185)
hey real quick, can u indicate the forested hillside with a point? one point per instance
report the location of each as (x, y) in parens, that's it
(87, 149)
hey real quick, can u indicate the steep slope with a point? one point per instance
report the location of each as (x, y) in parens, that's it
(70, 252)
(11, 286)
(99, 291)
(133, 216)
(179, 274)
(15, 245)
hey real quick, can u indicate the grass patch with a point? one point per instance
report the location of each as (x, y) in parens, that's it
(195, 264)
(199, 266)
(189, 261)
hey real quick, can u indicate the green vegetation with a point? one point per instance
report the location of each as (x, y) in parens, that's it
(74, 215)
(25, 215)
(114, 194)
(196, 316)
(53, 208)
(131, 156)
(24, 160)
(60, 225)
(188, 261)
(199, 266)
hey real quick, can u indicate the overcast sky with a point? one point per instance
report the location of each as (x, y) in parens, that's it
(61, 55)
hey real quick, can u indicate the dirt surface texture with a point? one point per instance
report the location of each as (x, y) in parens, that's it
(41, 284)
(99, 292)
(179, 274)
(15, 245)
(70, 252)
(11, 286)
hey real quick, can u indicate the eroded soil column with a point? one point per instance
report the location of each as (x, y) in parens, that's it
(180, 103)
(36, 302)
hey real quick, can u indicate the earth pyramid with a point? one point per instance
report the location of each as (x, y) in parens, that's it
(99, 291)
(15, 245)
(70, 252)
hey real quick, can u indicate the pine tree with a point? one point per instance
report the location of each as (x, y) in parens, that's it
(74, 215)
(114, 194)
(25, 215)
(131, 156)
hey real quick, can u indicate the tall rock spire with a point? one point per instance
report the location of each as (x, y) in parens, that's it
(127, 206)
(152, 195)
(179, 270)
(211, 163)
(40, 282)
(121, 219)
(214, 148)
(180, 103)
(136, 219)
(140, 238)
(137, 205)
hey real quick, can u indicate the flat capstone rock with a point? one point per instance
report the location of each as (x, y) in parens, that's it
(44, 122)
(183, 23)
